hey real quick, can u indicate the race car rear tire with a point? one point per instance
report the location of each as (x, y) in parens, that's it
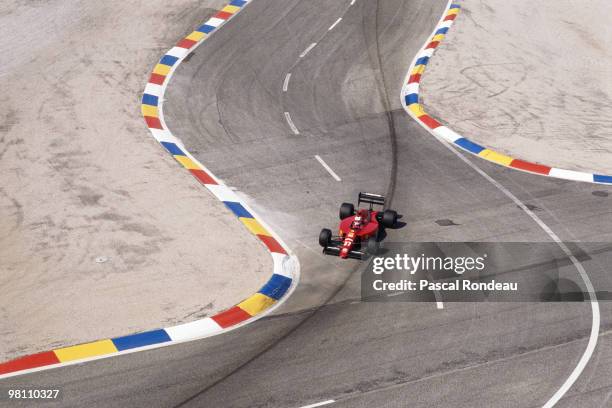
(346, 210)
(372, 246)
(325, 237)
(389, 218)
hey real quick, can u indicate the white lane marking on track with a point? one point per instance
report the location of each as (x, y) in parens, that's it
(329, 170)
(286, 83)
(352, 2)
(291, 124)
(437, 295)
(319, 404)
(307, 50)
(335, 24)
(588, 352)
(595, 323)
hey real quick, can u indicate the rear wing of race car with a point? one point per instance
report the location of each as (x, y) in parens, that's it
(372, 199)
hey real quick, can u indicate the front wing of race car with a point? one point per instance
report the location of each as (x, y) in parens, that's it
(334, 249)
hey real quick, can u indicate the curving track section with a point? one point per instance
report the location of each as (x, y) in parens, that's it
(227, 104)
(270, 296)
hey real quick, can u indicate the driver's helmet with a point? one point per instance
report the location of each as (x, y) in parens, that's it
(364, 214)
(357, 221)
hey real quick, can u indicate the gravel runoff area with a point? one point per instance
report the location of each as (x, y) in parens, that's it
(102, 232)
(530, 79)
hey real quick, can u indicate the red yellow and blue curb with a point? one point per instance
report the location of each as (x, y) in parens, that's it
(411, 102)
(270, 296)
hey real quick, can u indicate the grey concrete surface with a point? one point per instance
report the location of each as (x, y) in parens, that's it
(227, 104)
(82, 178)
(529, 79)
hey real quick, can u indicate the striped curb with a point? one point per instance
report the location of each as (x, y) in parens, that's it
(410, 102)
(271, 295)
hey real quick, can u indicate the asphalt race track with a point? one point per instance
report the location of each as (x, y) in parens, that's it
(227, 103)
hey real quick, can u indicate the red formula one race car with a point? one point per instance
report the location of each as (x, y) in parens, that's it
(360, 230)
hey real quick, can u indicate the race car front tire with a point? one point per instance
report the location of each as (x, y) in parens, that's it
(325, 237)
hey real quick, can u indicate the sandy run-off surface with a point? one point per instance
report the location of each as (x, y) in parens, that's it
(83, 179)
(531, 79)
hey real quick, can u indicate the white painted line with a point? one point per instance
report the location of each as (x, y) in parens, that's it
(307, 50)
(411, 88)
(319, 404)
(437, 295)
(595, 322)
(153, 89)
(178, 52)
(291, 124)
(329, 170)
(395, 294)
(447, 134)
(215, 22)
(286, 83)
(571, 175)
(352, 2)
(193, 330)
(335, 24)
